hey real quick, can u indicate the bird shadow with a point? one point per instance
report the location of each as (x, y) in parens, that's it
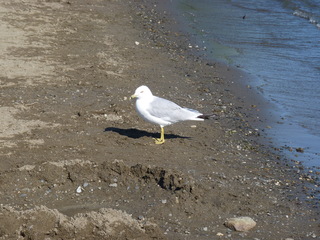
(135, 133)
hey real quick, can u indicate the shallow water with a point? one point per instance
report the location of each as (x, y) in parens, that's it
(277, 42)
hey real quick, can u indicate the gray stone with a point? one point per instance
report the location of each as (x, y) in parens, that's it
(241, 224)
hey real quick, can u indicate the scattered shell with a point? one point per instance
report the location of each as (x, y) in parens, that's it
(79, 189)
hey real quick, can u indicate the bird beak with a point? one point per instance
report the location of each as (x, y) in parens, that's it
(133, 96)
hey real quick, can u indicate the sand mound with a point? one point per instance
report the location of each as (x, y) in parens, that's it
(44, 223)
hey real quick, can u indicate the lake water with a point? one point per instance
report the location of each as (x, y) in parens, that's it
(277, 42)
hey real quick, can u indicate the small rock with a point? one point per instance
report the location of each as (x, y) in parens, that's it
(241, 224)
(301, 150)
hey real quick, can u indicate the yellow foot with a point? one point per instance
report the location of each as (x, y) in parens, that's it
(159, 141)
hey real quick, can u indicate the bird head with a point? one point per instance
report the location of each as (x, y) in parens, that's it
(141, 91)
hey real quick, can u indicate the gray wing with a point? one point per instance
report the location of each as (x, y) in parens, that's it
(170, 111)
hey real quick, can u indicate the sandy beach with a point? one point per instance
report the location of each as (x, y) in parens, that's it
(77, 162)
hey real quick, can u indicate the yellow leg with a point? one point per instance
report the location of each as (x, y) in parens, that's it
(161, 139)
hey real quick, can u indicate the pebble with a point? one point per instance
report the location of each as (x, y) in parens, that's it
(113, 185)
(301, 150)
(241, 224)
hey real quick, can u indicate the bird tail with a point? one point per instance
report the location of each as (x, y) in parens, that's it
(206, 116)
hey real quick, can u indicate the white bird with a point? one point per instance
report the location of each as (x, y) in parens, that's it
(161, 111)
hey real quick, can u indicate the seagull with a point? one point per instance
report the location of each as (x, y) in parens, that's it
(161, 111)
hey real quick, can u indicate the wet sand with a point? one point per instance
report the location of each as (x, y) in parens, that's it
(77, 161)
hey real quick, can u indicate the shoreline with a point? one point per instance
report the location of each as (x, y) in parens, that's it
(83, 155)
(271, 120)
(259, 112)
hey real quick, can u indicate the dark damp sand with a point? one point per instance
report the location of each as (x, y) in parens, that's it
(85, 148)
